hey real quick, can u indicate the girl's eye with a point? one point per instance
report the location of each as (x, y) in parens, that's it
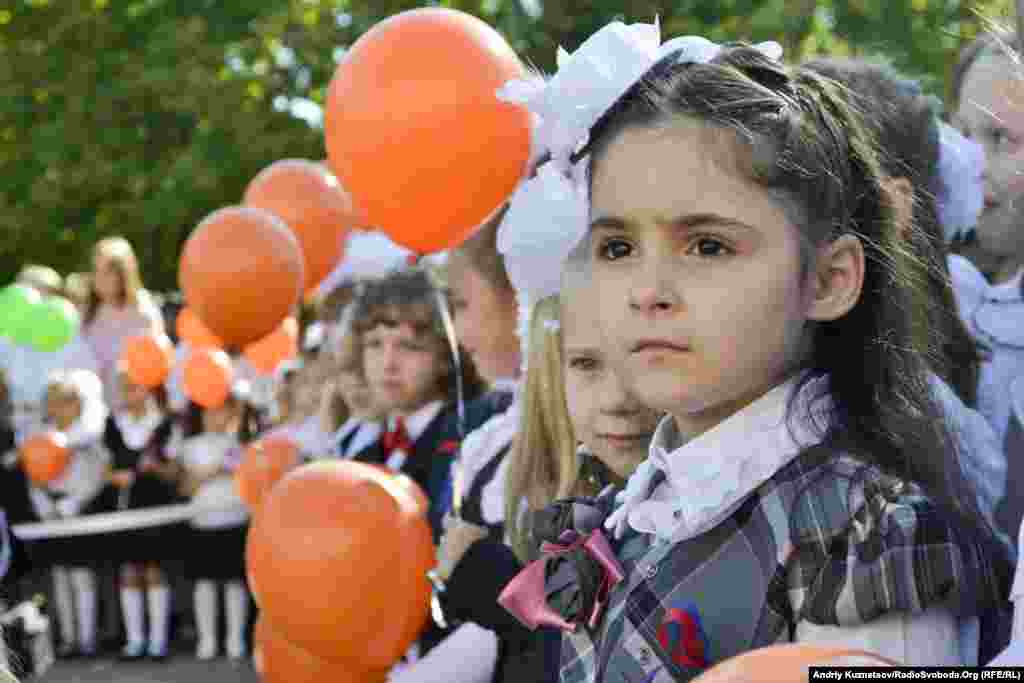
(371, 343)
(708, 247)
(614, 249)
(584, 364)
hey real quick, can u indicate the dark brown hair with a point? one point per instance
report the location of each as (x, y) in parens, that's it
(798, 139)
(413, 297)
(906, 125)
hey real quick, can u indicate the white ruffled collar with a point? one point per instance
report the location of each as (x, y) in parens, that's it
(136, 432)
(707, 477)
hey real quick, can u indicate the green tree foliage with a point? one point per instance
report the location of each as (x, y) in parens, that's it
(139, 117)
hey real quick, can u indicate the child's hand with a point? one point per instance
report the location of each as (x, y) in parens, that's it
(458, 537)
(122, 479)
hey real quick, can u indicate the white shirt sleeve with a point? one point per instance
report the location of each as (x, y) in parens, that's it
(468, 655)
(928, 638)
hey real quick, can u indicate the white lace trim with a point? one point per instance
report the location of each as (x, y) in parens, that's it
(707, 477)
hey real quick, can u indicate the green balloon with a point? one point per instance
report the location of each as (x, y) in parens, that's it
(18, 309)
(56, 324)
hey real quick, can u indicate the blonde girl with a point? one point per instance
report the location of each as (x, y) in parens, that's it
(118, 307)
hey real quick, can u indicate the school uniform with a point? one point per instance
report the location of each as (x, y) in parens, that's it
(995, 316)
(484, 463)
(475, 458)
(753, 534)
(134, 443)
(77, 492)
(354, 436)
(217, 544)
(422, 447)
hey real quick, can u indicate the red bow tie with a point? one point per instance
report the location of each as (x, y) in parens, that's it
(397, 439)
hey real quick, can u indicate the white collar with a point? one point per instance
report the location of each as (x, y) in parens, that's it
(136, 432)
(485, 442)
(418, 421)
(707, 477)
(509, 384)
(351, 424)
(1009, 290)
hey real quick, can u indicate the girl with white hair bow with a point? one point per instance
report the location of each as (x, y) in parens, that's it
(74, 406)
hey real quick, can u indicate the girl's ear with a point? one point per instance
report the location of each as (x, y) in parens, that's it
(838, 278)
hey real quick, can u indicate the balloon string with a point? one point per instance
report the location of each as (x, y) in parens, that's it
(460, 403)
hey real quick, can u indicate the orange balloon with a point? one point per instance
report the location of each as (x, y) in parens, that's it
(786, 664)
(280, 345)
(193, 332)
(309, 199)
(341, 555)
(45, 457)
(207, 377)
(148, 359)
(241, 270)
(263, 464)
(409, 488)
(415, 130)
(282, 661)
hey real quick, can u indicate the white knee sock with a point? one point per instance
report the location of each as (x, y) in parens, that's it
(236, 599)
(133, 612)
(159, 598)
(204, 599)
(64, 602)
(84, 581)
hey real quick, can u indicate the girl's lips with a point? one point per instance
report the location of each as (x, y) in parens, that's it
(657, 345)
(625, 439)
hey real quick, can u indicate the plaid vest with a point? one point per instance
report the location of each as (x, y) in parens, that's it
(824, 540)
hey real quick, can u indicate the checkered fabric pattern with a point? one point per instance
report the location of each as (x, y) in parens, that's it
(826, 540)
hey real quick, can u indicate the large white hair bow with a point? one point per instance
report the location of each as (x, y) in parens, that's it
(962, 196)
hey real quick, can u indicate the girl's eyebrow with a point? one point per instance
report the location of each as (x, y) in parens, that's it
(685, 221)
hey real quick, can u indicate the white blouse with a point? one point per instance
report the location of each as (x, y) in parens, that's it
(210, 451)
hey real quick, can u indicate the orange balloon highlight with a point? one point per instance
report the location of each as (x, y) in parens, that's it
(277, 347)
(45, 457)
(263, 464)
(148, 359)
(340, 555)
(786, 664)
(193, 332)
(207, 377)
(241, 271)
(311, 201)
(415, 131)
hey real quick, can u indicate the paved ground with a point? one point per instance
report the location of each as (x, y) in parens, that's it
(180, 669)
